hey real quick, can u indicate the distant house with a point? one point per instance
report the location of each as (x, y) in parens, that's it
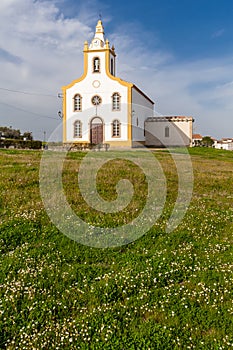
(196, 140)
(225, 143)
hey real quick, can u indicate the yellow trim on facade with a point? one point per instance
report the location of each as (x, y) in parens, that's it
(122, 82)
(112, 144)
(101, 50)
(116, 143)
(64, 115)
(129, 98)
(64, 88)
(76, 142)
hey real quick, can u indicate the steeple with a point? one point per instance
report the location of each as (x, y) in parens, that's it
(98, 41)
(101, 56)
(99, 31)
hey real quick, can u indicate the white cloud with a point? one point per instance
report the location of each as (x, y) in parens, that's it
(197, 88)
(41, 50)
(218, 33)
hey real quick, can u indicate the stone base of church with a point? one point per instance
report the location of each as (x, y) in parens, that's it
(79, 145)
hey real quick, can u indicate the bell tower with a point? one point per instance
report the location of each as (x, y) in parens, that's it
(100, 54)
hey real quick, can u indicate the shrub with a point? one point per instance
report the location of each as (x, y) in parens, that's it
(30, 144)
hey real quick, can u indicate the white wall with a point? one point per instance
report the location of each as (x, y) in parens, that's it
(225, 145)
(180, 132)
(87, 88)
(143, 109)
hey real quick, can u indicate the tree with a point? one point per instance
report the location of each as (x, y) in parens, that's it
(10, 133)
(207, 141)
(27, 135)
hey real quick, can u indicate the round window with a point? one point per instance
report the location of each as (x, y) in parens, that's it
(96, 100)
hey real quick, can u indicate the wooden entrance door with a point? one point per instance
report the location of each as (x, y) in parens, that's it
(96, 133)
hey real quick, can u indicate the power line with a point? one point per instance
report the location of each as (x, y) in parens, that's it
(24, 110)
(27, 93)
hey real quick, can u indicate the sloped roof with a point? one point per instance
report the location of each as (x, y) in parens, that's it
(143, 94)
(171, 118)
(197, 137)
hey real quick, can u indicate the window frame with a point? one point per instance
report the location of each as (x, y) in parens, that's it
(116, 129)
(100, 100)
(167, 131)
(116, 105)
(93, 64)
(77, 128)
(77, 105)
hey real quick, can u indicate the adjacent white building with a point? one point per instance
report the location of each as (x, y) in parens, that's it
(169, 131)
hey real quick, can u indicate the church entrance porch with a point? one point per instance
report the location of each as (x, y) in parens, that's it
(96, 131)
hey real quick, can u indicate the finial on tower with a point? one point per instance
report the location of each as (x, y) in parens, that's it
(99, 27)
(85, 45)
(99, 34)
(99, 42)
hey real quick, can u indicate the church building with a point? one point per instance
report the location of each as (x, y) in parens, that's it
(100, 107)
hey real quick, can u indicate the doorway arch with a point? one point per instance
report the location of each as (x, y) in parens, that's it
(96, 131)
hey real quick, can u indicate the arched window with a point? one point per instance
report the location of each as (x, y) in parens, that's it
(78, 129)
(77, 103)
(167, 131)
(116, 102)
(96, 65)
(116, 125)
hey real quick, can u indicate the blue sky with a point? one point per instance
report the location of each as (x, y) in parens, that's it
(180, 52)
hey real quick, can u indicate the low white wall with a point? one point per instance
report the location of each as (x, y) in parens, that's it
(179, 132)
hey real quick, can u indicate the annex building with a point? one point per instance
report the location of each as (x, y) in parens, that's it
(99, 107)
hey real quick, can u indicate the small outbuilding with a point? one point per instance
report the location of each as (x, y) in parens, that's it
(169, 131)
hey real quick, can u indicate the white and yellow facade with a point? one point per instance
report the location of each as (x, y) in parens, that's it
(100, 107)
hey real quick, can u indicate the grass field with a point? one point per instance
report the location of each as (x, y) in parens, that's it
(163, 291)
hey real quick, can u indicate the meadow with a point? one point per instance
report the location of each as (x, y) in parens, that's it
(162, 291)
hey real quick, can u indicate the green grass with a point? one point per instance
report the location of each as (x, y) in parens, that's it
(163, 291)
